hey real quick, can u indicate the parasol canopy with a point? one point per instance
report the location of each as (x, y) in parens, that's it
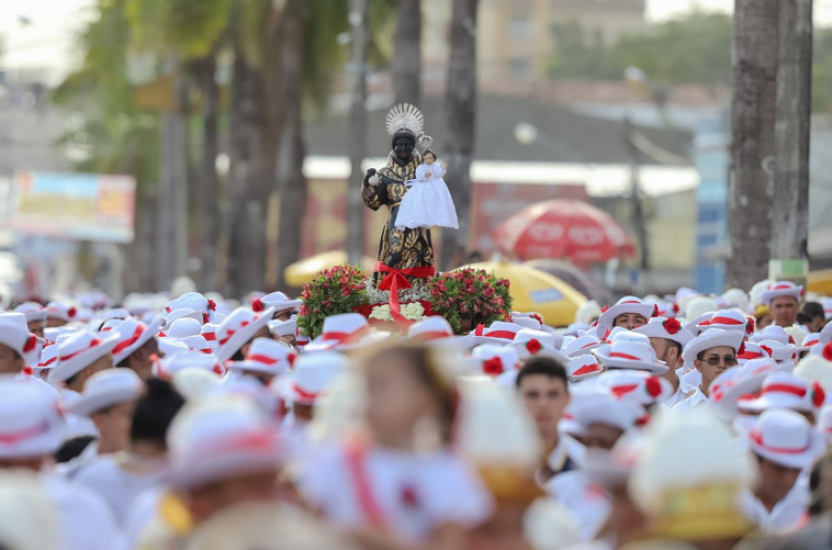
(563, 229)
(300, 273)
(535, 290)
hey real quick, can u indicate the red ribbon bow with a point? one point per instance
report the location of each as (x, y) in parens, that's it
(396, 280)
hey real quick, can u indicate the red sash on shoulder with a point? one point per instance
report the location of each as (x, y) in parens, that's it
(356, 455)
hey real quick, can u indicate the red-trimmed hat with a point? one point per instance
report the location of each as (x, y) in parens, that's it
(726, 319)
(268, 356)
(639, 386)
(630, 355)
(436, 331)
(314, 374)
(108, 388)
(79, 351)
(627, 304)
(500, 332)
(711, 339)
(782, 288)
(532, 343)
(346, 331)
(132, 335)
(583, 367)
(786, 438)
(238, 329)
(494, 360)
(782, 390)
(33, 311)
(667, 328)
(31, 422)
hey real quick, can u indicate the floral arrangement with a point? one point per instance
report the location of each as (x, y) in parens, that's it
(332, 292)
(469, 297)
(413, 311)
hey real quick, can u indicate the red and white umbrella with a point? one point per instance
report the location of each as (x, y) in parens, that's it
(563, 229)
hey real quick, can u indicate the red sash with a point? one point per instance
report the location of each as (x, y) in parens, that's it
(396, 280)
(356, 453)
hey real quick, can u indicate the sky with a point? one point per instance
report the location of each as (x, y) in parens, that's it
(48, 39)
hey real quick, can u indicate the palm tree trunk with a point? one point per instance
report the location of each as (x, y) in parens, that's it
(246, 246)
(208, 197)
(461, 105)
(752, 151)
(358, 129)
(293, 190)
(407, 47)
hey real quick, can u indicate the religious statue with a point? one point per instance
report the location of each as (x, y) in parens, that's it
(404, 251)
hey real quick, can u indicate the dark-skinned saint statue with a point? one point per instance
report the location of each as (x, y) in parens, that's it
(406, 252)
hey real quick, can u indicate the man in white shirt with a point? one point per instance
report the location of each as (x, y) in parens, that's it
(785, 446)
(711, 353)
(31, 429)
(668, 338)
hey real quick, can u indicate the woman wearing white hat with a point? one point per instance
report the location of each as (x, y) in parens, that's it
(405, 486)
(785, 445)
(711, 353)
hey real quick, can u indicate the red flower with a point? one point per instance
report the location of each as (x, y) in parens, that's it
(827, 351)
(257, 306)
(654, 387)
(28, 371)
(749, 328)
(71, 312)
(675, 308)
(605, 309)
(493, 367)
(818, 395)
(31, 342)
(655, 310)
(741, 351)
(672, 326)
(212, 305)
(218, 370)
(533, 346)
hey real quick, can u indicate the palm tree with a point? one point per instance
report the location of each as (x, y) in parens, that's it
(407, 52)
(752, 118)
(460, 105)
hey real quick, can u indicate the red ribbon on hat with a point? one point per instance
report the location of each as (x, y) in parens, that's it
(757, 437)
(533, 346)
(587, 369)
(210, 336)
(303, 394)
(493, 366)
(619, 355)
(16, 437)
(505, 334)
(624, 389)
(785, 388)
(397, 279)
(430, 335)
(724, 321)
(346, 337)
(264, 359)
(130, 341)
(30, 344)
(93, 344)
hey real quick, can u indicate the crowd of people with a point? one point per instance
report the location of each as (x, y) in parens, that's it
(190, 421)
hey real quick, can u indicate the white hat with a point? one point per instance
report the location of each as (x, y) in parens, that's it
(782, 390)
(277, 301)
(745, 385)
(346, 331)
(779, 352)
(772, 332)
(499, 332)
(737, 298)
(630, 355)
(751, 351)
(620, 334)
(284, 328)
(699, 306)
(639, 386)
(48, 358)
(192, 301)
(582, 346)
(31, 423)
(172, 346)
(239, 328)
(14, 334)
(183, 313)
(588, 312)
(711, 339)
(786, 438)
(782, 288)
(532, 343)
(33, 311)
(526, 322)
(583, 367)
(627, 304)
(314, 374)
(726, 319)
(692, 325)
(61, 311)
(197, 343)
(223, 436)
(827, 307)
(662, 327)
(600, 406)
(183, 327)
(494, 360)
(825, 335)
(436, 331)
(132, 335)
(193, 383)
(825, 421)
(108, 388)
(267, 356)
(28, 515)
(169, 366)
(810, 340)
(209, 332)
(79, 351)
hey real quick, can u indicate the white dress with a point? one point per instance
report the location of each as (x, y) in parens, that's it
(428, 202)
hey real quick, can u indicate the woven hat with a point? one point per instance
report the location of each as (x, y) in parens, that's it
(31, 423)
(667, 328)
(226, 435)
(344, 332)
(79, 351)
(108, 388)
(267, 356)
(787, 439)
(238, 329)
(627, 304)
(630, 355)
(314, 375)
(780, 289)
(132, 335)
(711, 339)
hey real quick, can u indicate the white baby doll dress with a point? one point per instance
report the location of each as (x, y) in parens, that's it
(428, 202)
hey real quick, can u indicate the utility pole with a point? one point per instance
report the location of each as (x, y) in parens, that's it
(636, 204)
(755, 59)
(360, 32)
(790, 211)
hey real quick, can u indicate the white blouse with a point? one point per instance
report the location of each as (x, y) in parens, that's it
(415, 493)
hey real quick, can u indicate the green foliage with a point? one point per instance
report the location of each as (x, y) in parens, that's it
(470, 294)
(332, 292)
